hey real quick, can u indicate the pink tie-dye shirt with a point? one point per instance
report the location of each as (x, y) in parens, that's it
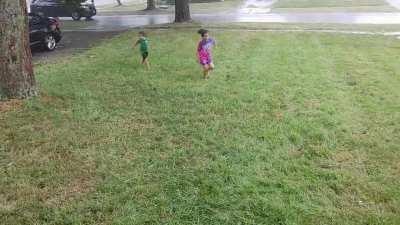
(204, 51)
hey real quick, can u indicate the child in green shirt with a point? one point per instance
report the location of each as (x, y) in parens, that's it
(144, 48)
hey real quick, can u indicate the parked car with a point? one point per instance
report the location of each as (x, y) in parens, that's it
(44, 31)
(60, 8)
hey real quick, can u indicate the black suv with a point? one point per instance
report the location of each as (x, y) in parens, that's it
(60, 8)
(44, 31)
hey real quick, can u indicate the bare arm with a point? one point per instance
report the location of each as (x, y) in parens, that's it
(137, 42)
(197, 53)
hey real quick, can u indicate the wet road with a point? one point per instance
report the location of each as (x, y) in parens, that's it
(114, 23)
(72, 43)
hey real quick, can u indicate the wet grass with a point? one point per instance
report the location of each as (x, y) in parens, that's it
(389, 28)
(327, 3)
(138, 7)
(216, 7)
(290, 129)
(129, 6)
(332, 6)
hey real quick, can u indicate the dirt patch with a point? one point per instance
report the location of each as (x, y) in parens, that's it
(9, 105)
(76, 189)
(51, 178)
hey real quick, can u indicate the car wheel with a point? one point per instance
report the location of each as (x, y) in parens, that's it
(76, 16)
(50, 42)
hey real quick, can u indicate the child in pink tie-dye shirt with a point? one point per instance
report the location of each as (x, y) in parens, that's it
(204, 52)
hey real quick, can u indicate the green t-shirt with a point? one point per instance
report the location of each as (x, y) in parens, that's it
(144, 45)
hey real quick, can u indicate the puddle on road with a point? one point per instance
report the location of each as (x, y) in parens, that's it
(256, 6)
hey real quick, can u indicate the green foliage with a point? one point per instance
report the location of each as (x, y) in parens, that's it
(290, 129)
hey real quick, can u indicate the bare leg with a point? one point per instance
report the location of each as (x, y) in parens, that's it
(206, 70)
(147, 63)
(211, 66)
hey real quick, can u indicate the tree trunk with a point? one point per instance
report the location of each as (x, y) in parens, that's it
(16, 72)
(151, 4)
(119, 2)
(182, 11)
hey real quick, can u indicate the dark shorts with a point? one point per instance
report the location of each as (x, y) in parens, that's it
(145, 55)
(206, 62)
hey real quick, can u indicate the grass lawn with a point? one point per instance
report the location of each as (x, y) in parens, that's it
(249, 26)
(137, 7)
(216, 7)
(129, 6)
(327, 3)
(291, 129)
(332, 5)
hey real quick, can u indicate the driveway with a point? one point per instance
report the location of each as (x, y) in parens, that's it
(73, 42)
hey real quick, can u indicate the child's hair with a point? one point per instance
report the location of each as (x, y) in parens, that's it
(142, 33)
(202, 32)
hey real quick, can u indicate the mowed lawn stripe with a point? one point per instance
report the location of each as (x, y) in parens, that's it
(290, 129)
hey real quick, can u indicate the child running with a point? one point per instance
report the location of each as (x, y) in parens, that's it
(144, 48)
(204, 52)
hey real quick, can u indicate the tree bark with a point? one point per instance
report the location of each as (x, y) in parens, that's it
(119, 2)
(16, 71)
(151, 4)
(182, 11)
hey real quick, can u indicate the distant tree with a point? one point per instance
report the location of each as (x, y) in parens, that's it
(17, 79)
(119, 2)
(182, 11)
(151, 4)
